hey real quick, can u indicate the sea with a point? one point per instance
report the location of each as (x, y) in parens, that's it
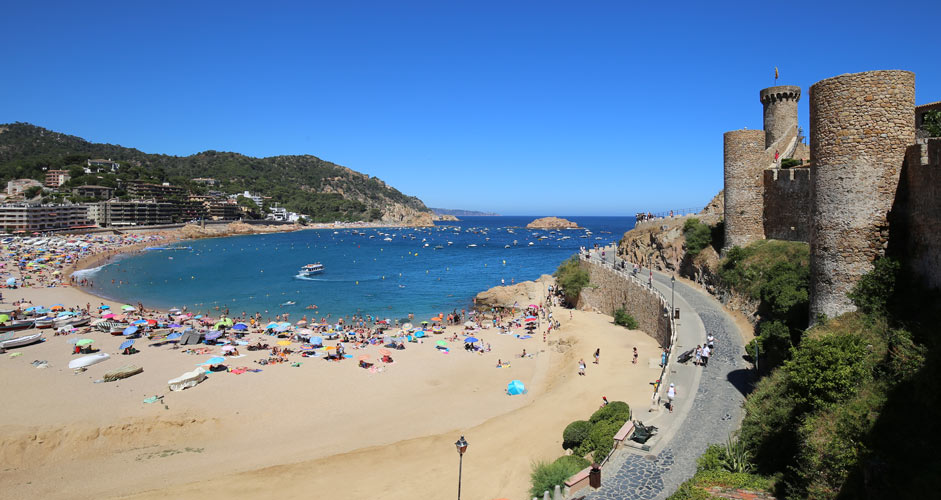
(382, 272)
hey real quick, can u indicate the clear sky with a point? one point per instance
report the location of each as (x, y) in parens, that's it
(568, 108)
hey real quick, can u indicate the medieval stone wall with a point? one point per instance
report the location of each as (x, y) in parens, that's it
(860, 127)
(918, 212)
(787, 204)
(610, 291)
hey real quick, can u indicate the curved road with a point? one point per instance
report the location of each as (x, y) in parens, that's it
(715, 411)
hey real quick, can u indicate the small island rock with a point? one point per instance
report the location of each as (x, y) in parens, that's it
(551, 223)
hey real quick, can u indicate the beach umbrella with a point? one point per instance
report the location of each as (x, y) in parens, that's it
(282, 327)
(140, 322)
(126, 344)
(151, 322)
(284, 342)
(363, 357)
(441, 343)
(84, 342)
(316, 340)
(174, 310)
(175, 325)
(213, 335)
(32, 308)
(130, 308)
(424, 322)
(228, 348)
(212, 361)
(174, 336)
(65, 314)
(385, 352)
(104, 307)
(420, 333)
(57, 307)
(238, 326)
(330, 348)
(530, 319)
(131, 330)
(108, 316)
(72, 341)
(4, 318)
(407, 326)
(11, 281)
(302, 322)
(271, 326)
(515, 387)
(120, 317)
(227, 322)
(471, 340)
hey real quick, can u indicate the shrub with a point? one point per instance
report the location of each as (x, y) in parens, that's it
(602, 438)
(698, 236)
(711, 459)
(622, 318)
(573, 462)
(874, 290)
(615, 411)
(826, 370)
(572, 278)
(791, 162)
(735, 458)
(545, 476)
(931, 122)
(575, 434)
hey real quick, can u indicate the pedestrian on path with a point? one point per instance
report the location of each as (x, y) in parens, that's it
(597, 355)
(671, 395)
(698, 360)
(635, 355)
(663, 358)
(705, 355)
(581, 367)
(711, 342)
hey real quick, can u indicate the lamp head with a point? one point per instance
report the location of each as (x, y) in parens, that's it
(461, 445)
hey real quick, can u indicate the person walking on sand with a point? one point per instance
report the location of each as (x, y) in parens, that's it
(581, 367)
(597, 355)
(671, 395)
(635, 356)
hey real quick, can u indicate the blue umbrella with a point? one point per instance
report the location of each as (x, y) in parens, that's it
(175, 325)
(240, 326)
(471, 340)
(64, 314)
(126, 344)
(212, 361)
(271, 326)
(174, 336)
(104, 307)
(28, 309)
(140, 322)
(11, 281)
(131, 330)
(213, 335)
(316, 340)
(420, 333)
(515, 388)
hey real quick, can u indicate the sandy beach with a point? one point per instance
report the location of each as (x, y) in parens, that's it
(303, 431)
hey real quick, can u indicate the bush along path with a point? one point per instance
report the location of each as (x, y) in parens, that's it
(716, 411)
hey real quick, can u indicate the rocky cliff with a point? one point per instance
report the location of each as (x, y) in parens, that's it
(551, 223)
(523, 294)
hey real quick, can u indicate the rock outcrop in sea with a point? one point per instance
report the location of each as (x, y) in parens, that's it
(551, 223)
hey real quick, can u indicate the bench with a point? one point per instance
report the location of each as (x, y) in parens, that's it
(623, 433)
(578, 481)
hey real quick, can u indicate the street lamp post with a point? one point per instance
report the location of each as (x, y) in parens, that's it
(673, 295)
(461, 445)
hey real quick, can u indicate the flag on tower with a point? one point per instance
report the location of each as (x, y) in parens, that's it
(775, 72)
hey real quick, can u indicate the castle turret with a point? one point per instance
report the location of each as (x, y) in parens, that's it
(780, 111)
(860, 126)
(744, 160)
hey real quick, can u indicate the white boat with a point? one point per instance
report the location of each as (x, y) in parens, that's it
(45, 322)
(89, 360)
(21, 341)
(311, 269)
(387, 239)
(72, 321)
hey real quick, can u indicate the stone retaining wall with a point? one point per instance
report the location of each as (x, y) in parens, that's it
(917, 213)
(610, 290)
(787, 204)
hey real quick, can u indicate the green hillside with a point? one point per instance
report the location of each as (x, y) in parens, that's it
(305, 184)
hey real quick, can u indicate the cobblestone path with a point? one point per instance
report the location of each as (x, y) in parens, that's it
(716, 411)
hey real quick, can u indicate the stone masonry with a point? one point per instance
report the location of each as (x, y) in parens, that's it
(918, 212)
(860, 127)
(780, 111)
(787, 204)
(609, 292)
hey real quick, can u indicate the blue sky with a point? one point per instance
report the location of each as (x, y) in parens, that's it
(577, 108)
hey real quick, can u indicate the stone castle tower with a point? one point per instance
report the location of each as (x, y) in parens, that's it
(747, 154)
(860, 126)
(866, 168)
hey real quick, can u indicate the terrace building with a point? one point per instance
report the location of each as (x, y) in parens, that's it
(56, 178)
(24, 217)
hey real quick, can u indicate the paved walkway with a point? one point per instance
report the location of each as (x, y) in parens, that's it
(714, 412)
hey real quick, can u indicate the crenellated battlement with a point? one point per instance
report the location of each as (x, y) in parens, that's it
(781, 93)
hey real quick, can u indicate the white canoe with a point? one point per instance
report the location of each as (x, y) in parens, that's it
(21, 341)
(89, 360)
(188, 379)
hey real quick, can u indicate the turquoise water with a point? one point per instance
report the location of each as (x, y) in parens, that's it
(364, 274)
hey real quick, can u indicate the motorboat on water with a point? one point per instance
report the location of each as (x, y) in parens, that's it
(311, 269)
(289, 303)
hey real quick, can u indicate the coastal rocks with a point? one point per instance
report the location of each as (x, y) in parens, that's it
(447, 218)
(194, 231)
(551, 223)
(521, 294)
